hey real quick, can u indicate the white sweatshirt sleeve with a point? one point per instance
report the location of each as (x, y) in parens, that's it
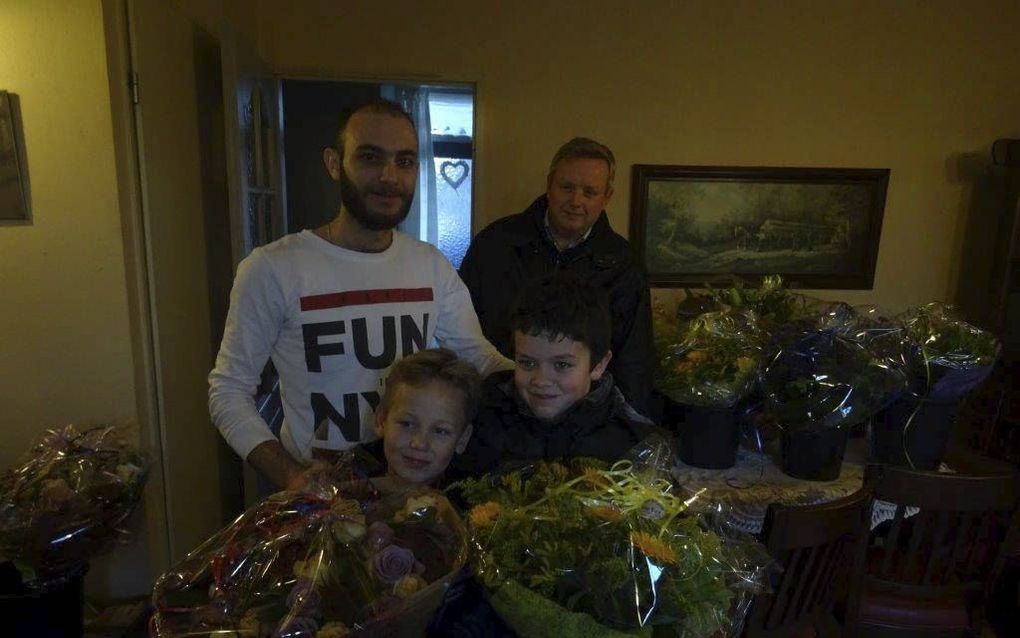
(256, 315)
(457, 326)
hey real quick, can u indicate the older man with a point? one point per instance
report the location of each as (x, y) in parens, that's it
(567, 228)
(335, 307)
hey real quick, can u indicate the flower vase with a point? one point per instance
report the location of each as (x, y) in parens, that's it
(915, 431)
(814, 455)
(708, 436)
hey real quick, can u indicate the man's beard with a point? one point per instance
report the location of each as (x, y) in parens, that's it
(354, 202)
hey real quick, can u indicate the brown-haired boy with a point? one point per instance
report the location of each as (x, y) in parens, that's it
(560, 401)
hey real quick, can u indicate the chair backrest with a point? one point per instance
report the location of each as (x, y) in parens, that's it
(814, 544)
(947, 535)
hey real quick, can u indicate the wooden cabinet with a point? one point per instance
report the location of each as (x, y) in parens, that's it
(990, 418)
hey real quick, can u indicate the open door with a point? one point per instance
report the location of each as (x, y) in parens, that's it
(254, 128)
(254, 151)
(178, 114)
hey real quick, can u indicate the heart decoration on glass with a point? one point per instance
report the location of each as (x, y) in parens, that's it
(450, 173)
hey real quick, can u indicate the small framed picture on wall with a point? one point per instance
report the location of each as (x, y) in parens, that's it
(13, 178)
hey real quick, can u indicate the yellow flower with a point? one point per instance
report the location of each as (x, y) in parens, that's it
(347, 508)
(335, 629)
(414, 506)
(653, 547)
(607, 513)
(312, 569)
(485, 515)
(250, 623)
(408, 585)
(744, 364)
(345, 530)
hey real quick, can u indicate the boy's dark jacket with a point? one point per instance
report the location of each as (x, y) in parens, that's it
(601, 425)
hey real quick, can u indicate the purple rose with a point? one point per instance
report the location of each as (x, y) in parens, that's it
(394, 562)
(378, 535)
(304, 598)
(298, 627)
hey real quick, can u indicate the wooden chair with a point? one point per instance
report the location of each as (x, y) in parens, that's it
(928, 572)
(815, 546)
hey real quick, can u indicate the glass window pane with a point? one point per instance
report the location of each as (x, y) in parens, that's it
(453, 202)
(451, 113)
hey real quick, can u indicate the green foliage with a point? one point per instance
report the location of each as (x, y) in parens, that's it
(946, 340)
(587, 540)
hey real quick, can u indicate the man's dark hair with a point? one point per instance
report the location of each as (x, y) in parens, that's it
(376, 105)
(561, 305)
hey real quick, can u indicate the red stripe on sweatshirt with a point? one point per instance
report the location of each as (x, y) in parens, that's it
(365, 298)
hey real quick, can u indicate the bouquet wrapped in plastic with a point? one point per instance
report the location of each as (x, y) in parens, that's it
(947, 358)
(66, 502)
(706, 366)
(363, 558)
(943, 346)
(588, 550)
(818, 387)
(772, 303)
(713, 361)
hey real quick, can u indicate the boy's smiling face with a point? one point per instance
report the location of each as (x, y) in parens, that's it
(421, 429)
(553, 374)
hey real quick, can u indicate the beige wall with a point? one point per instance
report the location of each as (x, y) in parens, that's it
(65, 354)
(905, 85)
(65, 346)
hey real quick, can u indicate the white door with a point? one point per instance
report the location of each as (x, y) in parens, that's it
(182, 185)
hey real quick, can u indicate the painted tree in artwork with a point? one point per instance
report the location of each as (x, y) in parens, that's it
(671, 224)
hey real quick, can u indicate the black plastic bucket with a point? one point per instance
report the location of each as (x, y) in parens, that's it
(52, 611)
(708, 436)
(814, 455)
(925, 439)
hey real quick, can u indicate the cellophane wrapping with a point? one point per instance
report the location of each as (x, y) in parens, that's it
(947, 355)
(68, 501)
(710, 360)
(582, 548)
(365, 558)
(827, 379)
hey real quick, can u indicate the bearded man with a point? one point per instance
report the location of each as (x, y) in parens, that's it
(334, 308)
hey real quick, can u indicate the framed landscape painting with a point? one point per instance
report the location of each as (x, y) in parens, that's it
(817, 227)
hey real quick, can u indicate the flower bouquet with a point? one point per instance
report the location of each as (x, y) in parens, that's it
(777, 309)
(947, 358)
(817, 388)
(585, 550)
(363, 559)
(707, 367)
(67, 501)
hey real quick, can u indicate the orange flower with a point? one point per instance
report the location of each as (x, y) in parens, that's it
(594, 477)
(653, 547)
(485, 515)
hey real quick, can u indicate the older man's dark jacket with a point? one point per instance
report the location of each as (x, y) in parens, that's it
(514, 250)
